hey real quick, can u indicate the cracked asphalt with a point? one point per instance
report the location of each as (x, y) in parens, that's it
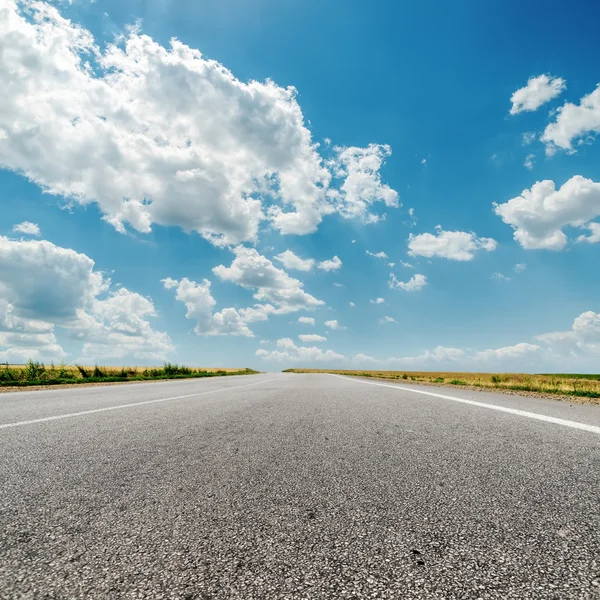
(287, 486)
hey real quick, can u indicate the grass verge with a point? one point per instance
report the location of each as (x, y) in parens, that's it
(36, 374)
(582, 386)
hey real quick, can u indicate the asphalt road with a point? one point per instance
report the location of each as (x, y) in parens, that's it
(296, 486)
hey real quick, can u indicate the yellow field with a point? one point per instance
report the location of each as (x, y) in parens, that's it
(115, 369)
(35, 373)
(582, 386)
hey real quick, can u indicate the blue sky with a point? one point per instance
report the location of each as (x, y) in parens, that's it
(179, 201)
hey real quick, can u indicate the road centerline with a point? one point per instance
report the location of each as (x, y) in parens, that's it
(121, 406)
(513, 411)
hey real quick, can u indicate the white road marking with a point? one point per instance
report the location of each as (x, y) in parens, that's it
(107, 408)
(512, 411)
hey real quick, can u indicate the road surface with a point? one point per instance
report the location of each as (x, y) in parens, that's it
(296, 486)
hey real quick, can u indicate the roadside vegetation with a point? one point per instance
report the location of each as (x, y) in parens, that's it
(563, 384)
(35, 373)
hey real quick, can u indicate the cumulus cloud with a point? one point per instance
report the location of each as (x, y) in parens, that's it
(454, 245)
(287, 351)
(414, 284)
(377, 301)
(573, 122)
(27, 228)
(500, 277)
(539, 215)
(387, 319)
(330, 265)
(199, 303)
(312, 337)
(281, 293)
(507, 352)
(582, 340)
(293, 261)
(520, 267)
(594, 236)
(163, 135)
(352, 304)
(459, 358)
(362, 186)
(44, 286)
(333, 324)
(538, 91)
(377, 254)
(306, 320)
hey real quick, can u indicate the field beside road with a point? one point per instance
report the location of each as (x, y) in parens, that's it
(585, 387)
(38, 374)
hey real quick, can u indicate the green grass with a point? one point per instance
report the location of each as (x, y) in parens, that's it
(35, 373)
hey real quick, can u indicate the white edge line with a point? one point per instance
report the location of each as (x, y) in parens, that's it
(119, 406)
(512, 411)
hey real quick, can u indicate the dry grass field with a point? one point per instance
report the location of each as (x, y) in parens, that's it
(582, 386)
(34, 373)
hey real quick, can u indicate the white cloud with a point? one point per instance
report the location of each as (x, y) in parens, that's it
(391, 265)
(406, 264)
(500, 277)
(199, 303)
(573, 122)
(529, 161)
(121, 330)
(330, 265)
(387, 320)
(312, 337)
(539, 215)
(27, 228)
(439, 354)
(583, 335)
(363, 358)
(538, 91)
(333, 324)
(377, 301)
(288, 352)
(157, 135)
(454, 245)
(458, 358)
(507, 352)
(362, 186)
(423, 161)
(377, 254)
(414, 284)
(520, 267)
(352, 304)
(594, 236)
(529, 137)
(306, 320)
(251, 270)
(292, 261)
(44, 286)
